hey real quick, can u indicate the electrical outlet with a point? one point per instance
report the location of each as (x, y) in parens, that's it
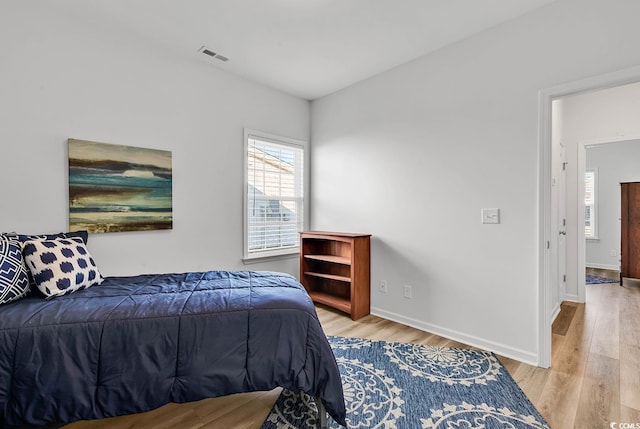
(383, 286)
(408, 292)
(614, 253)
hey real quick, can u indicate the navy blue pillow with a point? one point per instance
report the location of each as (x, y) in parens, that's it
(84, 235)
(14, 283)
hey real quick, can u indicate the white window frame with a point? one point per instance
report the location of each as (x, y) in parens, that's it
(593, 208)
(257, 256)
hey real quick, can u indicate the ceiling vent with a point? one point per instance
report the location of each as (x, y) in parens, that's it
(212, 54)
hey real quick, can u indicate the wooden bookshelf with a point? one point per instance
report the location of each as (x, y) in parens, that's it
(335, 270)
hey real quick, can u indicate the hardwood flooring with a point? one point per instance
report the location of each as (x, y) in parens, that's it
(594, 378)
(599, 272)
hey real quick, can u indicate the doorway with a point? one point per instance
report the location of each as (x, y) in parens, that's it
(613, 161)
(548, 255)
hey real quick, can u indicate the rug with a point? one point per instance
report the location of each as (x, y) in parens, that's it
(596, 280)
(411, 386)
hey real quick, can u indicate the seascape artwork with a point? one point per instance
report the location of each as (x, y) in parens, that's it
(115, 188)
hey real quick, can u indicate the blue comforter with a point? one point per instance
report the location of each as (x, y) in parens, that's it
(133, 344)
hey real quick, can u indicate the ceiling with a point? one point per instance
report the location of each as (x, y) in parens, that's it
(308, 48)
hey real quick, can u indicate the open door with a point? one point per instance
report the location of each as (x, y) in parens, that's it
(562, 224)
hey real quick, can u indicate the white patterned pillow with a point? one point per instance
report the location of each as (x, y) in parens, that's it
(60, 266)
(14, 283)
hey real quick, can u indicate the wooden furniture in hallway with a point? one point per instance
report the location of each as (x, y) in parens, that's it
(630, 230)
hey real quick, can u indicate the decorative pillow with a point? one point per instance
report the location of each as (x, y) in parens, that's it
(60, 266)
(14, 283)
(84, 235)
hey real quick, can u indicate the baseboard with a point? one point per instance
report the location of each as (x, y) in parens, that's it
(555, 312)
(501, 349)
(570, 297)
(603, 266)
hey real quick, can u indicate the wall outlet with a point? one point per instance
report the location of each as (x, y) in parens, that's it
(408, 291)
(383, 286)
(614, 253)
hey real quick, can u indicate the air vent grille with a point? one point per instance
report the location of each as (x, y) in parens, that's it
(212, 54)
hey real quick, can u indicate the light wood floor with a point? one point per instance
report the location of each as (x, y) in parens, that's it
(594, 378)
(599, 272)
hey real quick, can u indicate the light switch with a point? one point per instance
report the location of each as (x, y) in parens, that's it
(490, 215)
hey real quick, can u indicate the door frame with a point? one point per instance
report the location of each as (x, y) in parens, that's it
(545, 251)
(582, 167)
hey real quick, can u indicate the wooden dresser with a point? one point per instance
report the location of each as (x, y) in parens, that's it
(335, 270)
(630, 230)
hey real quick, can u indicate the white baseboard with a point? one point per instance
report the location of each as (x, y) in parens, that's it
(603, 266)
(501, 349)
(555, 312)
(570, 297)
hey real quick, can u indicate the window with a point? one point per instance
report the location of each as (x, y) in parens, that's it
(274, 194)
(590, 195)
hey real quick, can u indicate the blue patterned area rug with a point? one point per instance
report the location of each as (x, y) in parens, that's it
(592, 280)
(411, 386)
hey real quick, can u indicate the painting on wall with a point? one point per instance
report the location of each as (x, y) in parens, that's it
(115, 188)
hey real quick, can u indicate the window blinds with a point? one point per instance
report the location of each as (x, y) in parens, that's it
(589, 204)
(274, 196)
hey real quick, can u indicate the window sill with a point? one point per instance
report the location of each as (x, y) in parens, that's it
(268, 258)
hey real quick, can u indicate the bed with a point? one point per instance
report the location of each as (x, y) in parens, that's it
(133, 344)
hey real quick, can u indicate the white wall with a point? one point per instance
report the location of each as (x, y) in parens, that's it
(615, 163)
(413, 154)
(63, 74)
(599, 116)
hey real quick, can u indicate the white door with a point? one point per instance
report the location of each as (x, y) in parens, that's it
(562, 224)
